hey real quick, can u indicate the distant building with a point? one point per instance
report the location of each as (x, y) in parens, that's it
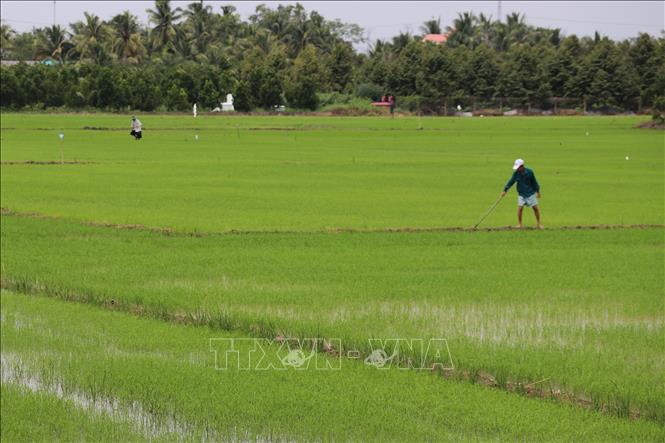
(16, 62)
(437, 39)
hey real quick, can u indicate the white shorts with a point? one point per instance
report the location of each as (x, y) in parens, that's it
(529, 201)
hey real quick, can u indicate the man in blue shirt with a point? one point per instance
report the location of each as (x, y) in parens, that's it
(528, 190)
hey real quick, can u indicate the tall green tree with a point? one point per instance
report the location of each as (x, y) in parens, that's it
(436, 77)
(485, 30)
(6, 44)
(432, 26)
(53, 41)
(646, 59)
(340, 67)
(198, 27)
(304, 80)
(90, 37)
(127, 43)
(614, 80)
(482, 72)
(164, 18)
(524, 76)
(462, 31)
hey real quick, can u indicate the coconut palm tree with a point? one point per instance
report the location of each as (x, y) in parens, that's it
(431, 26)
(516, 27)
(53, 42)
(463, 29)
(127, 39)
(484, 29)
(164, 18)
(377, 48)
(91, 32)
(265, 41)
(400, 41)
(228, 9)
(6, 35)
(197, 26)
(297, 32)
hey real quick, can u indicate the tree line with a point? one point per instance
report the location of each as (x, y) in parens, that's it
(288, 55)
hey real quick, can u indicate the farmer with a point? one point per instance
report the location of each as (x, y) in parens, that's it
(136, 128)
(528, 190)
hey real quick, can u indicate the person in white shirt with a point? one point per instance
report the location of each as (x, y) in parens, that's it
(136, 128)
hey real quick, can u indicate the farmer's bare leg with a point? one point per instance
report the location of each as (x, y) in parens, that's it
(536, 211)
(519, 216)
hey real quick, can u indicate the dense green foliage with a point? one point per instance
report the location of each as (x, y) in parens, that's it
(287, 55)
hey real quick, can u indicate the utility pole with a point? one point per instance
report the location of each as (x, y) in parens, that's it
(53, 12)
(498, 12)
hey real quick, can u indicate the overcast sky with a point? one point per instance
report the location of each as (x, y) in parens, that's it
(618, 19)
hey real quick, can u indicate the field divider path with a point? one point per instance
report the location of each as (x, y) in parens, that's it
(341, 230)
(47, 163)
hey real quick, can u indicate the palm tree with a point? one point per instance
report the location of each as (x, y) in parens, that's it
(431, 26)
(297, 32)
(265, 41)
(164, 18)
(500, 37)
(185, 45)
(377, 48)
(6, 34)
(516, 27)
(99, 54)
(88, 34)
(198, 25)
(462, 31)
(400, 41)
(53, 42)
(485, 29)
(127, 40)
(228, 9)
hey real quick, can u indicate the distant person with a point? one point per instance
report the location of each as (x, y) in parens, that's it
(528, 190)
(391, 100)
(384, 99)
(136, 128)
(194, 110)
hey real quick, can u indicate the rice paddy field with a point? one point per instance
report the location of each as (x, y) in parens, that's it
(127, 267)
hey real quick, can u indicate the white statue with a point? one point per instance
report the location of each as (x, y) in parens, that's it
(228, 104)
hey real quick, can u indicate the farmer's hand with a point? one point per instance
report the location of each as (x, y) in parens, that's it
(538, 194)
(503, 194)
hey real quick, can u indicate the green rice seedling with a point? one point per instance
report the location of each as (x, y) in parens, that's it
(596, 294)
(362, 173)
(152, 378)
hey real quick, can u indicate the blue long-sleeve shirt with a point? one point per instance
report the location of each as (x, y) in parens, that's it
(526, 183)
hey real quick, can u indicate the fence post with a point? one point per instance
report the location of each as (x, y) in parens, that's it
(584, 105)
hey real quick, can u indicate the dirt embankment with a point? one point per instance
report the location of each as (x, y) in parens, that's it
(652, 124)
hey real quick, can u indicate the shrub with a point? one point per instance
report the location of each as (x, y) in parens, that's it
(370, 90)
(411, 103)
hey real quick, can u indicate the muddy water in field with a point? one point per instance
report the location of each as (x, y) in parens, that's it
(16, 372)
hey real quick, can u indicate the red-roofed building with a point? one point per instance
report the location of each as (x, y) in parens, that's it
(437, 39)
